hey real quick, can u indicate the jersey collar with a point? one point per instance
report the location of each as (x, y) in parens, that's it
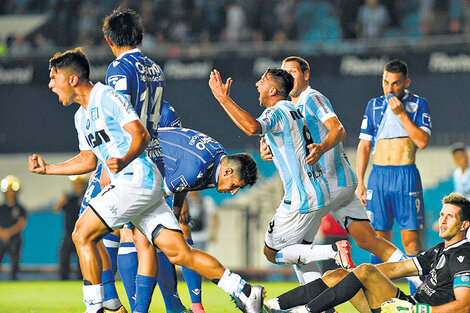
(455, 245)
(128, 52)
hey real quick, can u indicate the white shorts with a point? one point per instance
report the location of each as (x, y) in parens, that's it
(289, 227)
(346, 207)
(123, 202)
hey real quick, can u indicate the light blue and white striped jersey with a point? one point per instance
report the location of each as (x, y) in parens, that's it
(99, 129)
(287, 135)
(316, 108)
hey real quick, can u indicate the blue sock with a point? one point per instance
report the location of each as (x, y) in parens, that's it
(411, 286)
(109, 288)
(374, 259)
(143, 293)
(167, 283)
(127, 264)
(193, 280)
(111, 242)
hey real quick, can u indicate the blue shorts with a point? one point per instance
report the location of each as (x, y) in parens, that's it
(395, 192)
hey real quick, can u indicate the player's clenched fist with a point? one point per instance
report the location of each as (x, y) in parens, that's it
(36, 164)
(115, 165)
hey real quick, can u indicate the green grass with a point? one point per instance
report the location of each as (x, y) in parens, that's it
(66, 297)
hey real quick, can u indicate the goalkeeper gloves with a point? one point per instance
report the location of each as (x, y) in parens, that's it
(401, 306)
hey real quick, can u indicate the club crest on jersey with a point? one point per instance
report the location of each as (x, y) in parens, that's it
(87, 125)
(411, 107)
(94, 114)
(441, 263)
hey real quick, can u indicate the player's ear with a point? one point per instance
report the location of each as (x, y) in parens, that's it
(465, 225)
(407, 82)
(109, 41)
(307, 75)
(74, 80)
(228, 171)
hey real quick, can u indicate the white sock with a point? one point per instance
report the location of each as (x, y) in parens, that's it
(300, 309)
(304, 254)
(273, 304)
(396, 256)
(93, 296)
(307, 272)
(231, 283)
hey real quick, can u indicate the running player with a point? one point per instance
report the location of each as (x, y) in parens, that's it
(109, 129)
(327, 133)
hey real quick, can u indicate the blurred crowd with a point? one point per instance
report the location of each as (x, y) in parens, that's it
(208, 21)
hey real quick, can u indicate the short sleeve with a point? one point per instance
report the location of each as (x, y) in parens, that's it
(459, 265)
(424, 260)
(367, 125)
(119, 108)
(319, 105)
(116, 77)
(423, 119)
(271, 120)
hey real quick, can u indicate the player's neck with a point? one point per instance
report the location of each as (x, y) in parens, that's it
(117, 51)
(459, 237)
(82, 94)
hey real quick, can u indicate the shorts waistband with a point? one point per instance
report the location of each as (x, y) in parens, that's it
(413, 165)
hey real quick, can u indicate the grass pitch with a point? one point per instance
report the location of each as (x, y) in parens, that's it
(66, 297)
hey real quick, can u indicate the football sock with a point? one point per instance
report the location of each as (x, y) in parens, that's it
(193, 280)
(111, 242)
(167, 282)
(111, 298)
(339, 293)
(231, 283)
(396, 256)
(143, 294)
(304, 254)
(374, 259)
(93, 297)
(301, 295)
(127, 264)
(414, 281)
(307, 272)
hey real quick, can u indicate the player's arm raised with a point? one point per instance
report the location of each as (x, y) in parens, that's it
(140, 138)
(247, 123)
(82, 163)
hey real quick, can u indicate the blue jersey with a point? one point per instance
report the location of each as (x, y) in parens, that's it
(380, 122)
(99, 129)
(142, 81)
(316, 109)
(191, 159)
(168, 118)
(287, 135)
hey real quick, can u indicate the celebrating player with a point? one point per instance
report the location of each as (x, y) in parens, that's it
(109, 130)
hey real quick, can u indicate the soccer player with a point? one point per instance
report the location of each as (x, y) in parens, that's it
(306, 190)
(394, 124)
(109, 130)
(327, 133)
(446, 267)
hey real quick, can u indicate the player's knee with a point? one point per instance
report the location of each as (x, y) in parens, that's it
(412, 247)
(270, 255)
(182, 258)
(364, 271)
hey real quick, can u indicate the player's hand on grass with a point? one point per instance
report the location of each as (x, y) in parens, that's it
(265, 151)
(361, 193)
(36, 164)
(115, 165)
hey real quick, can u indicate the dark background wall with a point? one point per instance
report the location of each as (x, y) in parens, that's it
(32, 119)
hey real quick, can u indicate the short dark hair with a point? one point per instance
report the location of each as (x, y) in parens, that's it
(283, 79)
(397, 66)
(124, 28)
(461, 202)
(74, 61)
(458, 146)
(244, 166)
(303, 64)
